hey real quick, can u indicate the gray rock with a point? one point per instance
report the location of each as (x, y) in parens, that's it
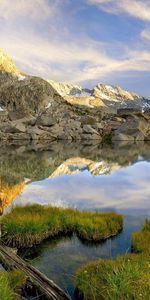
(89, 130)
(46, 120)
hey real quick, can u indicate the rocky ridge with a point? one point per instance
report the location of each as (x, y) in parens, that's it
(34, 109)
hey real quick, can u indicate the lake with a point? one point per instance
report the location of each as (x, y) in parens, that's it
(87, 176)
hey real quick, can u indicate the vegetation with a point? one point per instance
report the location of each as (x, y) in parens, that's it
(10, 283)
(141, 240)
(29, 225)
(125, 278)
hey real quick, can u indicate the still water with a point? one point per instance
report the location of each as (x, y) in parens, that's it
(87, 177)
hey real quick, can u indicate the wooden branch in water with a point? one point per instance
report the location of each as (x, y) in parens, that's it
(46, 286)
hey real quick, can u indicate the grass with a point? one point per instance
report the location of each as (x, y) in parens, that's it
(29, 225)
(141, 240)
(126, 278)
(10, 282)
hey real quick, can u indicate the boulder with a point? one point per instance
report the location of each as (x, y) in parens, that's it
(89, 130)
(46, 120)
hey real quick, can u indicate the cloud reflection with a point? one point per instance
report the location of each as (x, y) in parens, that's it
(126, 190)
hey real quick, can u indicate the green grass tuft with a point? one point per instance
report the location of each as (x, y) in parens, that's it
(9, 283)
(141, 240)
(25, 226)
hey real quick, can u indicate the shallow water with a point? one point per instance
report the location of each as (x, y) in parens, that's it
(87, 177)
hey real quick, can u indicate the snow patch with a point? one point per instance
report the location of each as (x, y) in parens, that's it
(21, 77)
(84, 93)
(110, 87)
(48, 105)
(104, 96)
(1, 109)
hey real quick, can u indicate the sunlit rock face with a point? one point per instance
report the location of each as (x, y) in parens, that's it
(34, 109)
(110, 92)
(6, 64)
(65, 88)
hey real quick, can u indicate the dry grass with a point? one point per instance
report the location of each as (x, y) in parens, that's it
(8, 193)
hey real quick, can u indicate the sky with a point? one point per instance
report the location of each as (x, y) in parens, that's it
(80, 41)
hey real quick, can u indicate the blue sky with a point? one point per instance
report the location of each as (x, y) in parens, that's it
(84, 42)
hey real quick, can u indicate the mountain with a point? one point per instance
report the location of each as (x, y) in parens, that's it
(108, 97)
(102, 91)
(33, 108)
(114, 93)
(65, 88)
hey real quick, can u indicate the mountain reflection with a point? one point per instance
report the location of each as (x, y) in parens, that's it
(87, 188)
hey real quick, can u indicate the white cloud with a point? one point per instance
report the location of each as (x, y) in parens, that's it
(69, 60)
(145, 34)
(135, 8)
(31, 9)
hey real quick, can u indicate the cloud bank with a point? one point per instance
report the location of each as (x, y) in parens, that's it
(135, 8)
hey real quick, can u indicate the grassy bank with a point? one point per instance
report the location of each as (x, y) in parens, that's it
(127, 277)
(141, 239)
(29, 225)
(10, 284)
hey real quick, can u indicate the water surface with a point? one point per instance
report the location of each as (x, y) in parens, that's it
(87, 177)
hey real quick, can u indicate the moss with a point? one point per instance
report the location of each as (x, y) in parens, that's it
(29, 225)
(9, 283)
(125, 278)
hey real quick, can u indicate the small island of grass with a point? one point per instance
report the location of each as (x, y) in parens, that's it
(127, 277)
(29, 225)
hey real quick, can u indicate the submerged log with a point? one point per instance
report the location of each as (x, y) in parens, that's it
(43, 284)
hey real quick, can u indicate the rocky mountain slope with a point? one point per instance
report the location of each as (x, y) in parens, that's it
(32, 108)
